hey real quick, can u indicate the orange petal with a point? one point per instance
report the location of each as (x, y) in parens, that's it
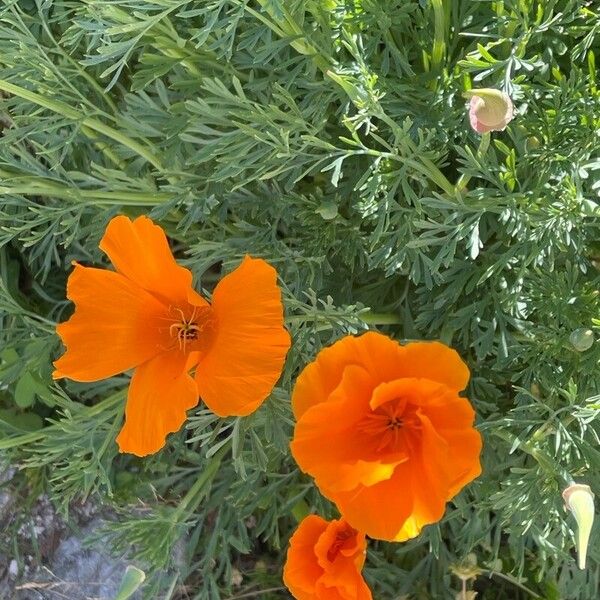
(160, 393)
(344, 540)
(250, 342)
(379, 510)
(384, 358)
(434, 361)
(301, 569)
(429, 484)
(449, 412)
(139, 250)
(452, 418)
(345, 584)
(116, 326)
(330, 445)
(343, 573)
(374, 352)
(464, 464)
(323, 563)
(450, 422)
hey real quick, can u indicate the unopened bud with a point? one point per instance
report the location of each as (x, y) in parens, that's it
(582, 339)
(489, 109)
(579, 499)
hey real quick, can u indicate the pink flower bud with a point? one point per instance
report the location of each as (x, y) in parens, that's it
(489, 110)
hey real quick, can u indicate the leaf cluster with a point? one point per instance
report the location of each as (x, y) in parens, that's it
(331, 139)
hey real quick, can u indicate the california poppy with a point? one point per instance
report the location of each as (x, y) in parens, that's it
(146, 316)
(383, 431)
(324, 561)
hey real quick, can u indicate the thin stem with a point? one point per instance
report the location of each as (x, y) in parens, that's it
(439, 43)
(373, 318)
(256, 593)
(76, 66)
(182, 52)
(108, 197)
(289, 28)
(300, 510)
(543, 460)
(105, 148)
(207, 474)
(511, 580)
(67, 111)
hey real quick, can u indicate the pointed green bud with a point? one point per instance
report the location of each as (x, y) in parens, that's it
(579, 499)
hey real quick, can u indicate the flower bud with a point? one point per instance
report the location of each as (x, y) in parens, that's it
(579, 499)
(489, 109)
(582, 339)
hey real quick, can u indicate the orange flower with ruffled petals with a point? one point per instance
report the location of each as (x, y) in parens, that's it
(324, 561)
(383, 431)
(147, 316)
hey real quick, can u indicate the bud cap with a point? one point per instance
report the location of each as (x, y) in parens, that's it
(579, 499)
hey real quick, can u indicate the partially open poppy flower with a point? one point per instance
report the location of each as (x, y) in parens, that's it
(146, 316)
(383, 431)
(324, 561)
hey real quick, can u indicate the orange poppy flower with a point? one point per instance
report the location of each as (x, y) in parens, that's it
(384, 433)
(146, 316)
(324, 561)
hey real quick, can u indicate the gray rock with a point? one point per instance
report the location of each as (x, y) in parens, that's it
(71, 570)
(76, 572)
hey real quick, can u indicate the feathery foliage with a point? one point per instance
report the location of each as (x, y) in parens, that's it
(329, 137)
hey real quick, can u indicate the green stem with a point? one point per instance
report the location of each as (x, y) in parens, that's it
(109, 198)
(439, 43)
(187, 57)
(300, 510)
(113, 197)
(543, 460)
(205, 478)
(257, 593)
(373, 318)
(105, 148)
(67, 111)
(511, 580)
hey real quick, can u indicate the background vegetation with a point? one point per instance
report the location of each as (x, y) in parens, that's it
(329, 137)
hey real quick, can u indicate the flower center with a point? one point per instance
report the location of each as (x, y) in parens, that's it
(340, 539)
(187, 329)
(391, 424)
(394, 423)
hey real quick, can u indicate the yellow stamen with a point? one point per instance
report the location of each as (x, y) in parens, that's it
(186, 329)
